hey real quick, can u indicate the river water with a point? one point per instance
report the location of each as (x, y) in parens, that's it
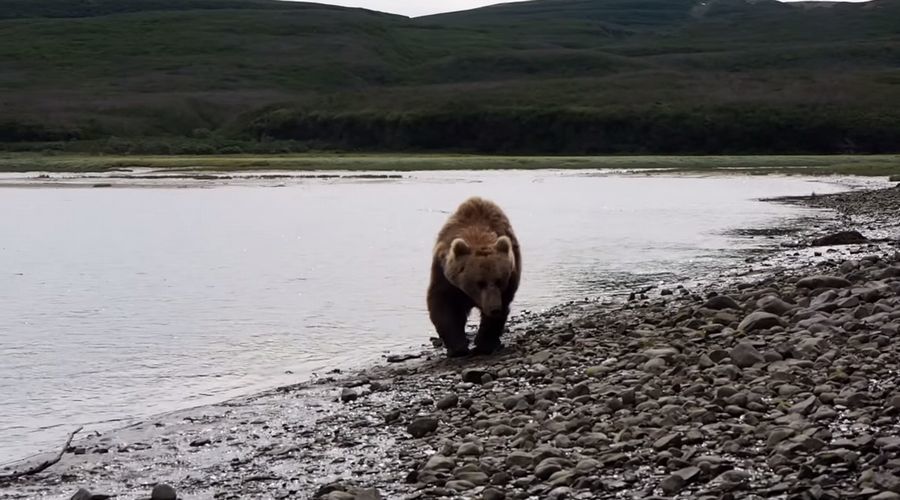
(116, 304)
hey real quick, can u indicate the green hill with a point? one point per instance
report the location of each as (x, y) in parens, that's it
(23, 9)
(546, 76)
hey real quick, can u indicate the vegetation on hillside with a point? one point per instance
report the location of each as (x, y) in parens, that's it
(138, 166)
(546, 76)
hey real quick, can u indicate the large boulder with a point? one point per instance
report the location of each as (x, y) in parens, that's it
(744, 355)
(840, 238)
(774, 305)
(759, 320)
(719, 302)
(823, 281)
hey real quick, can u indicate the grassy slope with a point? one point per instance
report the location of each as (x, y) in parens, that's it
(871, 165)
(164, 67)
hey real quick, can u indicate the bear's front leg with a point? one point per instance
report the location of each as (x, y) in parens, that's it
(450, 324)
(489, 332)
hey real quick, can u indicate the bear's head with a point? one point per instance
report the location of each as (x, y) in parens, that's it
(482, 271)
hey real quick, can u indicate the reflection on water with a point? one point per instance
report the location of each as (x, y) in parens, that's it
(120, 303)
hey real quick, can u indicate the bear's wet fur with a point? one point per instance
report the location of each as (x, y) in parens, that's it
(476, 263)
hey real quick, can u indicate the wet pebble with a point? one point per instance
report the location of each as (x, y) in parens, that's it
(447, 402)
(163, 492)
(348, 395)
(422, 426)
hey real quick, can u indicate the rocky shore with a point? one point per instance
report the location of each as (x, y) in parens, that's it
(780, 381)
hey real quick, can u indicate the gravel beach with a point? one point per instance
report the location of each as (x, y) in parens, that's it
(781, 380)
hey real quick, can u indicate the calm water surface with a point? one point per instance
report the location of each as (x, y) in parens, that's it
(121, 303)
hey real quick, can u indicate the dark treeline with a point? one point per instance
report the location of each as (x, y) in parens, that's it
(724, 130)
(718, 130)
(16, 131)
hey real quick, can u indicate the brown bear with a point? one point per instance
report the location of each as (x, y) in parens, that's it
(476, 263)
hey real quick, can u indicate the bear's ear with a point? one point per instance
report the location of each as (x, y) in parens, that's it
(459, 247)
(503, 245)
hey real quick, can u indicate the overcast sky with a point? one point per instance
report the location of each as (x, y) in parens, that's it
(414, 8)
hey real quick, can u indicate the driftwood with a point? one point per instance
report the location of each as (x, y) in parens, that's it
(43, 465)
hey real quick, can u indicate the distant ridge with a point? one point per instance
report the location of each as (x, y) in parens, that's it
(573, 76)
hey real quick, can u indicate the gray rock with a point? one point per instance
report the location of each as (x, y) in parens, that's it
(367, 494)
(477, 478)
(493, 494)
(82, 494)
(810, 347)
(501, 478)
(688, 473)
(547, 468)
(824, 413)
(803, 407)
(788, 390)
(519, 459)
(812, 444)
(422, 426)
(459, 485)
(469, 449)
(734, 476)
(543, 452)
(886, 481)
(163, 492)
(745, 355)
(759, 320)
(559, 493)
(579, 390)
(894, 402)
(502, 430)
(547, 395)
(540, 357)
(514, 401)
(886, 495)
(823, 281)
(771, 356)
(840, 238)
(562, 441)
(705, 362)
(379, 385)
(339, 495)
(774, 305)
(473, 375)
(672, 484)
(848, 303)
(439, 462)
(348, 395)
(888, 443)
(778, 435)
(719, 302)
(587, 465)
(672, 440)
(447, 402)
(655, 365)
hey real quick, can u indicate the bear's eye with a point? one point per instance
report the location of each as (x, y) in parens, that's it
(481, 284)
(499, 283)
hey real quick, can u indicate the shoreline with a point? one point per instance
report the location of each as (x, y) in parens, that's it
(207, 165)
(306, 422)
(199, 178)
